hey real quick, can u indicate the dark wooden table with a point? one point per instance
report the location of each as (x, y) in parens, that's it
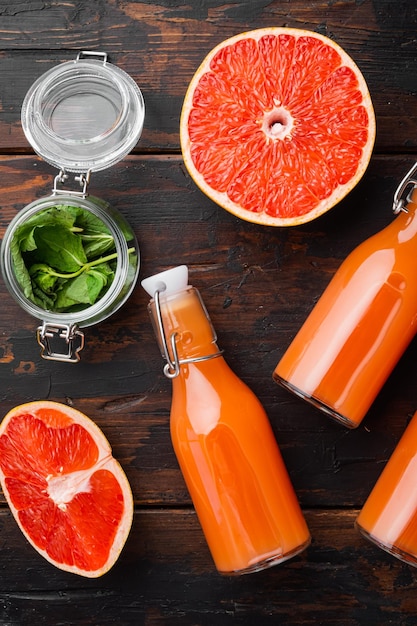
(258, 284)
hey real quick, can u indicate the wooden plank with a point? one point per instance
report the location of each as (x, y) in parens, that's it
(258, 284)
(161, 46)
(165, 576)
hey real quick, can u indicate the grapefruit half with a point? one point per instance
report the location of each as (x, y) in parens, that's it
(277, 125)
(68, 494)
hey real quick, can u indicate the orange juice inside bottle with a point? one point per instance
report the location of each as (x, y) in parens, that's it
(227, 451)
(389, 516)
(360, 327)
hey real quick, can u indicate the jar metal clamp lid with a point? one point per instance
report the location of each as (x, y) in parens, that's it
(80, 117)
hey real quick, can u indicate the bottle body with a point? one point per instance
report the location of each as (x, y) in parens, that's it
(227, 451)
(234, 471)
(389, 515)
(360, 327)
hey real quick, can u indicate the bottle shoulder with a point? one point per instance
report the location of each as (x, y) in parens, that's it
(209, 395)
(210, 379)
(381, 255)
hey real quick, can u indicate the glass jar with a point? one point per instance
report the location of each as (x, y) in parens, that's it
(82, 116)
(66, 326)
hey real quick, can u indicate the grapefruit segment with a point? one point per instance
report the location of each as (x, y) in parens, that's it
(277, 125)
(68, 494)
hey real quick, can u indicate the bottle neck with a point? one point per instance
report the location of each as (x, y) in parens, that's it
(183, 328)
(406, 221)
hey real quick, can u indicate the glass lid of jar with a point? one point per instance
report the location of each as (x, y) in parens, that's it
(83, 115)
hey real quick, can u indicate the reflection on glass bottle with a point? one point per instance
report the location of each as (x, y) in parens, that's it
(223, 439)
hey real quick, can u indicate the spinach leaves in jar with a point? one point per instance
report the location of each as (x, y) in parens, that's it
(64, 258)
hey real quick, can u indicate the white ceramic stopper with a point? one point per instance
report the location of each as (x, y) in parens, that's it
(170, 281)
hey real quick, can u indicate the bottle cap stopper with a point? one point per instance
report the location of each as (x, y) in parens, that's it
(169, 281)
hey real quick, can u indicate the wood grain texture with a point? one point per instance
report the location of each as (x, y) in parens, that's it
(165, 576)
(258, 283)
(162, 44)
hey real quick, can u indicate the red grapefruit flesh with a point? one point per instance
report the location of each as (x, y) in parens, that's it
(277, 125)
(69, 496)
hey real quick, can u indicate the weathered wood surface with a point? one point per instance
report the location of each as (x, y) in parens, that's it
(161, 45)
(165, 577)
(258, 284)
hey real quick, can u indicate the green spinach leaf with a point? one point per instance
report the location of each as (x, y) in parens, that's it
(83, 289)
(64, 257)
(59, 247)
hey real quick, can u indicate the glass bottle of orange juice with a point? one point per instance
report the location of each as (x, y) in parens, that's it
(363, 322)
(222, 438)
(389, 516)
